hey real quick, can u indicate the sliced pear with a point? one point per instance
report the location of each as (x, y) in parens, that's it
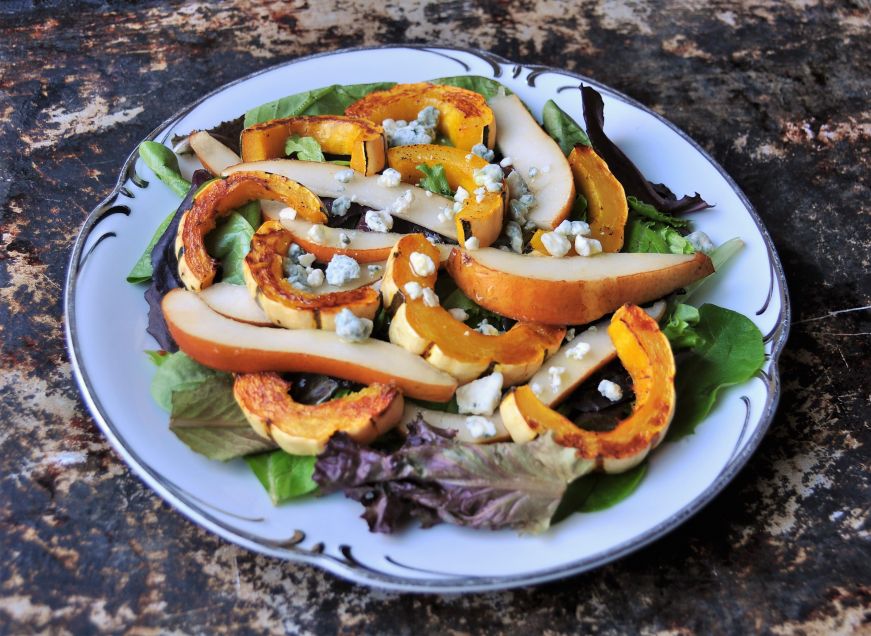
(578, 367)
(454, 422)
(465, 119)
(531, 149)
(214, 155)
(288, 306)
(234, 301)
(227, 345)
(304, 429)
(359, 138)
(576, 289)
(646, 354)
(424, 209)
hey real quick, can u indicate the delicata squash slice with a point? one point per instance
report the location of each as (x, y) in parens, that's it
(423, 327)
(646, 354)
(304, 429)
(360, 138)
(286, 305)
(466, 119)
(196, 269)
(607, 209)
(480, 219)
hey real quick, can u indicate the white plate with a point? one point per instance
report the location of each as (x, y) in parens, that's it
(106, 320)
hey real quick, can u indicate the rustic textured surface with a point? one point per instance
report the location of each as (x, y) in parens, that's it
(778, 92)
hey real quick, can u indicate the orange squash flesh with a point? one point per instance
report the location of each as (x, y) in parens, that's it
(360, 138)
(451, 345)
(286, 305)
(607, 209)
(196, 268)
(465, 118)
(303, 429)
(646, 354)
(483, 219)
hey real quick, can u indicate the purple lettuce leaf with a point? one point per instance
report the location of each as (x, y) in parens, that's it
(635, 184)
(433, 478)
(228, 133)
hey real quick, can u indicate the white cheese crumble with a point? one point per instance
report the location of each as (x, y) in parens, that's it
(556, 244)
(461, 194)
(374, 269)
(480, 426)
(578, 351)
(315, 278)
(340, 206)
(351, 328)
(459, 314)
(515, 236)
(402, 202)
(342, 269)
(428, 194)
(532, 172)
(483, 151)
(306, 260)
(535, 387)
(482, 396)
(418, 131)
(390, 178)
(610, 390)
(486, 328)
(344, 176)
(587, 246)
(287, 214)
(421, 264)
(570, 334)
(506, 162)
(316, 233)
(378, 220)
(430, 298)
(700, 241)
(556, 378)
(413, 289)
(472, 243)
(490, 177)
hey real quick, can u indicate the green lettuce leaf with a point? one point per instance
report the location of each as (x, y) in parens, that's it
(599, 491)
(646, 210)
(680, 327)
(157, 357)
(579, 208)
(231, 241)
(730, 352)
(141, 272)
(434, 179)
(644, 235)
(164, 164)
(458, 300)
(305, 148)
(284, 476)
(178, 372)
(564, 130)
(489, 88)
(721, 255)
(329, 100)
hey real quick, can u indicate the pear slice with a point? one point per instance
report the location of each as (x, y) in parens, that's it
(304, 429)
(578, 368)
(520, 137)
(214, 155)
(574, 290)
(234, 301)
(424, 209)
(227, 345)
(454, 422)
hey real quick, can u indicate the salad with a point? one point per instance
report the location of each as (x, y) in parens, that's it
(422, 297)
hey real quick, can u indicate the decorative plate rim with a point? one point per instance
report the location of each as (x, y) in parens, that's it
(349, 567)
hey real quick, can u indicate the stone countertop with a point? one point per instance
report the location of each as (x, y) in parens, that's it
(778, 93)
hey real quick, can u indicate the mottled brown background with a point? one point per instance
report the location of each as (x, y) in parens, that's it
(778, 92)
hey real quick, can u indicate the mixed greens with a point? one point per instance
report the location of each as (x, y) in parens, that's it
(430, 475)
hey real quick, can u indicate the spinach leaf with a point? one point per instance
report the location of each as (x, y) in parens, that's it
(680, 327)
(457, 299)
(305, 148)
(329, 100)
(487, 87)
(284, 476)
(141, 272)
(434, 179)
(564, 130)
(644, 235)
(647, 210)
(164, 164)
(231, 241)
(599, 491)
(579, 208)
(730, 351)
(450, 406)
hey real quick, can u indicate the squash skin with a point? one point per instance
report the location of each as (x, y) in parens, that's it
(483, 219)
(607, 210)
(196, 269)
(447, 343)
(303, 429)
(646, 354)
(360, 138)
(465, 118)
(284, 304)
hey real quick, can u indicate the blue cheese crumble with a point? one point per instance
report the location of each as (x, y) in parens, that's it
(351, 328)
(418, 131)
(340, 206)
(390, 178)
(483, 151)
(482, 396)
(610, 390)
(342, 269)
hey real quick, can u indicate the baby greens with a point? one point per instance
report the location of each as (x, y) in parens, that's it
(284, 476)
(564, 130)
(164, 164)
(434, 179)
(303, 148)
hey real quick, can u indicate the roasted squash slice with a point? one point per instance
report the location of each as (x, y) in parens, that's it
(466, 119)
(479, 219)
(360, 138)
(196, 268)
(303, 429)
(607, 209)
(286, 305)
(646, 354)
(447, 343)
